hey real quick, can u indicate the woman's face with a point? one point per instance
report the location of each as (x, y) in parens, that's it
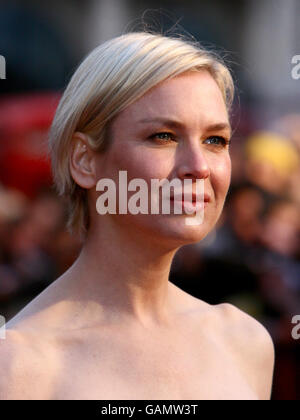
(178, 129)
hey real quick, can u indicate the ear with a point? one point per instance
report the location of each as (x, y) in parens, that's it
(82, 161)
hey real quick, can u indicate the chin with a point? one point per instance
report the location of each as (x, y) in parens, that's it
(172, 231)
(185, 234)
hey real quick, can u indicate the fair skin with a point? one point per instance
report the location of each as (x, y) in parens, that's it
(113, 326)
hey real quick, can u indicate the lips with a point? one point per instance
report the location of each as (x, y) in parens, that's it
(195, 198)
(198, 203)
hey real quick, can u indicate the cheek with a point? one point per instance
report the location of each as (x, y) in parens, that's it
(220, 176)
(141, 162)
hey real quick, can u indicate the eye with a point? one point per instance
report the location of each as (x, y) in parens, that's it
(163, 137)
(217, 141)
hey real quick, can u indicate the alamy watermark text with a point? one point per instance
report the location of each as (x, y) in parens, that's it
(296, 69)
(2, 67)
(2, 327)
(296, 329)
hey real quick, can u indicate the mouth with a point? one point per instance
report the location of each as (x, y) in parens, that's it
(191, 199)
(192, 204)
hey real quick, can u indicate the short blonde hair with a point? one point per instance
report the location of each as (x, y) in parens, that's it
(111, 77)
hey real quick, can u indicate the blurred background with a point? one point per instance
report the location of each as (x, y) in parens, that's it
(252, 258)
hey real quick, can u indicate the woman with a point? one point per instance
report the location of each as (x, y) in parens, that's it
(113, 326)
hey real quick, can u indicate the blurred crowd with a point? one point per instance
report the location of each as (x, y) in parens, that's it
(251, 259)
(35, 247)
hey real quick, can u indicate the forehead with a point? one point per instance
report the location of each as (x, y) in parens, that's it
(192, 97)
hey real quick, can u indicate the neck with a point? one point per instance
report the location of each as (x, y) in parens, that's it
(126, 275)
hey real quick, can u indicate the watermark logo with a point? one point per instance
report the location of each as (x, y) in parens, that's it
(164, 197)
(2, 327)
(296, 329)
(2, 67)
(296, 69)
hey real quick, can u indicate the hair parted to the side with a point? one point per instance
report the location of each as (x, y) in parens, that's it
(111, 77)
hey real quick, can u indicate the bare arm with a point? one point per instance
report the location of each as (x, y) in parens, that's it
(252, 347)
(19, 369)
(8, 354)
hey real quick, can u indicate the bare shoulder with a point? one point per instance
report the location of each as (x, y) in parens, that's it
(251, 346)
(12, 360)
(20, 367)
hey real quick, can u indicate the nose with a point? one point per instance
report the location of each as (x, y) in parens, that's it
(193, 163)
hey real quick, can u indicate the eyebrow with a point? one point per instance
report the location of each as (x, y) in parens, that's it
(177, 124)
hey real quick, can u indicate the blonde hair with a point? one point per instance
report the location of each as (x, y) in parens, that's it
(111, 77)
